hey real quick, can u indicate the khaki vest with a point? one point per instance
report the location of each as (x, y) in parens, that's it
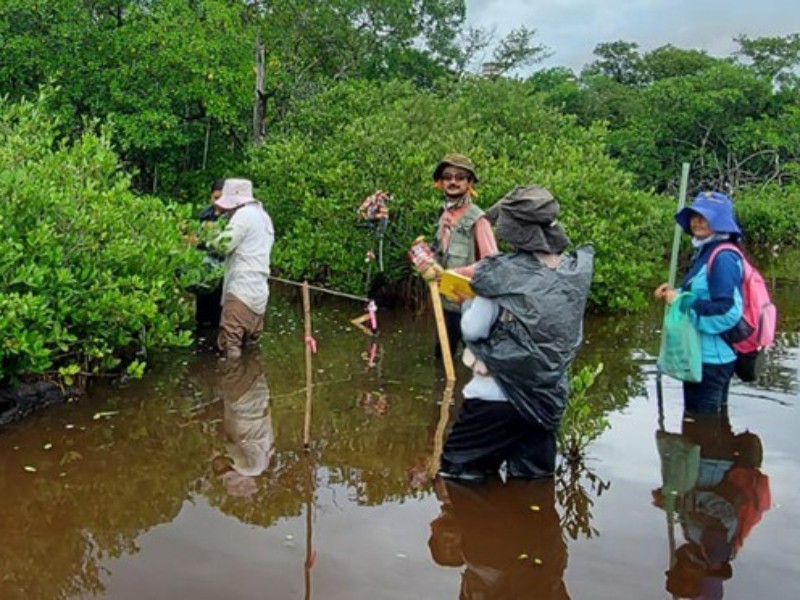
(461, 248)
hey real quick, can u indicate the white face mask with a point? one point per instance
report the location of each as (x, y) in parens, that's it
(716, 237)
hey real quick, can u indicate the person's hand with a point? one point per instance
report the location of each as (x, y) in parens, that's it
(666, 292)
(432, 271)
(460, 297)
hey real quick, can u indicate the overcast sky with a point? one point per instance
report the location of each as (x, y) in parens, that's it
(572, 28)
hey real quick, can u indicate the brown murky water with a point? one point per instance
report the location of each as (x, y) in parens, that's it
(195, 483)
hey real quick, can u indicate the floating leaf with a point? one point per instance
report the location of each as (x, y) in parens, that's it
(104, 414)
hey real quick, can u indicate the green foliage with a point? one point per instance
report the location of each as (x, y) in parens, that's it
(765, 150)
(690, 119)
(176, 78)
(619, 61)
(165, 73)
(344, 114)
(88, 271)
(583, 422)
(669, 61)
(517, 49)
(577, 488)
(774, 57)
(135, 369)
(770, 214)
(358, 137)
(735, 123)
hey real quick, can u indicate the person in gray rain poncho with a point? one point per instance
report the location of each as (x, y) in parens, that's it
(249, 438)
(523, 330)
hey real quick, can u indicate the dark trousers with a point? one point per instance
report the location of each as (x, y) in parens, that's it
(491, 524)
(208, 307)
(710, 395)
(452, 323)
(487, 434)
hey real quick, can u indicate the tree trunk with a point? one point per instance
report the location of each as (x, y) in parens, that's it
(258, 102)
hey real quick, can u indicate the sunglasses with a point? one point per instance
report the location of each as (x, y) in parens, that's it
(454, 177)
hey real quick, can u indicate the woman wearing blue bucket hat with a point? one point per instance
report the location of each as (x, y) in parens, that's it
(718, 304)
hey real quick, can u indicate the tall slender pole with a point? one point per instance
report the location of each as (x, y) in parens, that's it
(310, 469)
(441, 328)
(310, 553)
(205, 145)
(673, 272)
(438, 438)
(676, 238)
(673, 266)
(309, 373)
(258, 100)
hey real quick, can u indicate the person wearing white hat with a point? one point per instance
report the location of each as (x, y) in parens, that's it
(247, 244)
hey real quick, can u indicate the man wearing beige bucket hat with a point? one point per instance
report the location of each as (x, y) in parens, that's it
(247, 244)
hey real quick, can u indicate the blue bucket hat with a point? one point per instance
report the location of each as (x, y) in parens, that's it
(716, 207)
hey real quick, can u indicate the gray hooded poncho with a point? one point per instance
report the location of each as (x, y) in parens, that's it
(533, 344)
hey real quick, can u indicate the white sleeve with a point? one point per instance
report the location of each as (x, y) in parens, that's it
(477, 317)
(232, 236)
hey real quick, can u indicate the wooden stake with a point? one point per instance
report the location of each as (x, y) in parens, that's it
(310, 552)
(438, 438)
(359, 322)
(309, 373)
(441, 328)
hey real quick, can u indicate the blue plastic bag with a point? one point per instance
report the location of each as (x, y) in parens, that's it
(681, 355)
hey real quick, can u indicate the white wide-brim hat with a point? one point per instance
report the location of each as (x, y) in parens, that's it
(235, 193)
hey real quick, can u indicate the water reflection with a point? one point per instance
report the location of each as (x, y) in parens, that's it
(247, 422)
(577, 489)
(713, 487)
(506, 536)
(121, 504)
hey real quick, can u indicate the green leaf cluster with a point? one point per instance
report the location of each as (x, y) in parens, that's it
(89, 272)
(583, 421)
(734, 119)
(770, 215)
(176, 78)
(361, 136)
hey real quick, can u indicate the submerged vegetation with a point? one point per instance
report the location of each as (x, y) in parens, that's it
(582, 422)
